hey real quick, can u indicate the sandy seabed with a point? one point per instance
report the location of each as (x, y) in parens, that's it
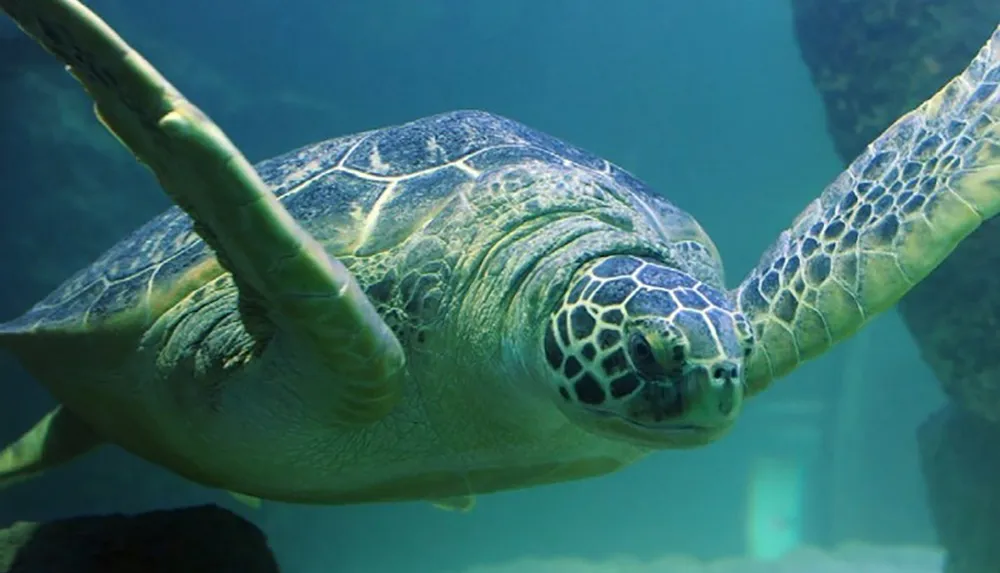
(849, 558)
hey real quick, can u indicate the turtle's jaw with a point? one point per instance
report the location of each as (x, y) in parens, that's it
(661, 435)
(691, 410)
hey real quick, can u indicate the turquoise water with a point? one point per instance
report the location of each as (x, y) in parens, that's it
(708, 102)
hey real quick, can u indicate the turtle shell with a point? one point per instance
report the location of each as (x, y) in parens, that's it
(324, 186)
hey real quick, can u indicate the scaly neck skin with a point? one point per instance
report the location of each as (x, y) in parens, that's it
(521, 248)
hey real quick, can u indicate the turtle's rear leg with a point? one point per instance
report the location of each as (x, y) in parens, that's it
(57, 438)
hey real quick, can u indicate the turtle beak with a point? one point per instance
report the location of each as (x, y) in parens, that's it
(718, 393)
(693, 410)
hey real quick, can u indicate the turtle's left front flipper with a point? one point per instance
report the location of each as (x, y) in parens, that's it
(57, 438)
(896, 213)
(277, 265)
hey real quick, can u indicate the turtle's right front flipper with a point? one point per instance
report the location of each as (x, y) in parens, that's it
(277, 265)
(897, 212)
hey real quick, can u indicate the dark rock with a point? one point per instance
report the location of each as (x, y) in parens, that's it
(873, 61)
(960, 457)
(203, 539)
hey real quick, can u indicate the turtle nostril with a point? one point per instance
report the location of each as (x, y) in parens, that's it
(727, 398)
(725, 370)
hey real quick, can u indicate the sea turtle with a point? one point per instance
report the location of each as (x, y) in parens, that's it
(453, 306)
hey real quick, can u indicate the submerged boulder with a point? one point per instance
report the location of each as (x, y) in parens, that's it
(960, 455)
(203, 539)
(871, 62)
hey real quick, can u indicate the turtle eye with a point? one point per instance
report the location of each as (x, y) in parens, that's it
(748, 344)
(643, 358)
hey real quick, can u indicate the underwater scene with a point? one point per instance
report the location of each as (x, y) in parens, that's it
(469, 286)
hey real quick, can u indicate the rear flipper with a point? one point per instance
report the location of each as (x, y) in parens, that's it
(57, 438)
(461, 503)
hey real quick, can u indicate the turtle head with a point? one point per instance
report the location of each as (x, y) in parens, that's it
(643, 352)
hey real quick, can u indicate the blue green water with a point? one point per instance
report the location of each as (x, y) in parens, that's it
(708, 102)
